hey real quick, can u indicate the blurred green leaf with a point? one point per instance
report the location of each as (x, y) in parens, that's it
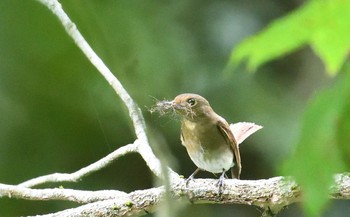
(318, 153)
(321, 24)
(343, 135)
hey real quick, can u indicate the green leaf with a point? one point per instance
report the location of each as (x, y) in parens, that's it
(321, 24)
(343, 135)
(330, 39)
(318, 154)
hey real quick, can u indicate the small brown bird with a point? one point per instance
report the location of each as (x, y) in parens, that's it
(207, 137)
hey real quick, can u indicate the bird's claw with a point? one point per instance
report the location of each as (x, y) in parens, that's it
(220, 182)
(188, 180)
(191, 177)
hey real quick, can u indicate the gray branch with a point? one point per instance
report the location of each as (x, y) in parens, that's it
(78, 175)
(78, 196)
(269, 194)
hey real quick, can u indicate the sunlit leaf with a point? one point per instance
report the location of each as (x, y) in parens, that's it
(321, 24)
(330, 39)
(318, 156)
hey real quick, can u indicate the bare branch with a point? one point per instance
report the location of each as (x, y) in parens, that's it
(270, 194)
(15, 191)
(76, 176)
(341, 188)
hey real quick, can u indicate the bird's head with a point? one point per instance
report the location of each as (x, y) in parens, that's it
(191, 106)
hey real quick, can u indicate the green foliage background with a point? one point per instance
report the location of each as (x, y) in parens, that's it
(58, 114)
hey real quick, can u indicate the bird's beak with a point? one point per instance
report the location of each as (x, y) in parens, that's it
(176, 105)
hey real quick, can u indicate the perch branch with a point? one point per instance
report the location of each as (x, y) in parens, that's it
(272, 194)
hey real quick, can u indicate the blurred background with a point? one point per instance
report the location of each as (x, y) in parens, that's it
(57, 113)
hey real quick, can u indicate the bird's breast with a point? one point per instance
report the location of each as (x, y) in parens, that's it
(206, 146)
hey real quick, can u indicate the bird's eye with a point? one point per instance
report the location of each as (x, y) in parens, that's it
(191, 101)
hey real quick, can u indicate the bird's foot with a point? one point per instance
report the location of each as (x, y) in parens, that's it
(188, 180)
(220, 182)
(192, 176)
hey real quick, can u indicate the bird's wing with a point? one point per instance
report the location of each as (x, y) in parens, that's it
(227, 133)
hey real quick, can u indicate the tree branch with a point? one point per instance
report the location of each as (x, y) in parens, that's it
(15, 191)
(270, 194)
(76, 176)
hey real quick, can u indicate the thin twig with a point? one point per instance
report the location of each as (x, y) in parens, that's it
(76, 176)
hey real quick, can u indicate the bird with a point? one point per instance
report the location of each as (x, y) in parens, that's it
(207, 137)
